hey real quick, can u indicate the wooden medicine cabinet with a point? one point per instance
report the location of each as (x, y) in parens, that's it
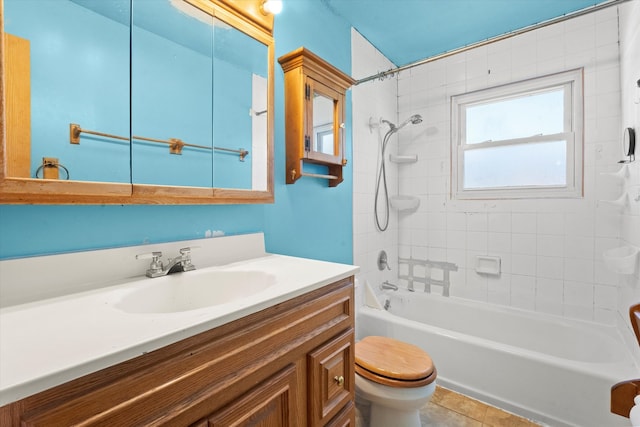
(314, 108)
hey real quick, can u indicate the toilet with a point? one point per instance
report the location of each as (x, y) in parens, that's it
(396, 378)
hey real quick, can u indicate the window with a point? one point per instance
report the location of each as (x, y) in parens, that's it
(521, 140)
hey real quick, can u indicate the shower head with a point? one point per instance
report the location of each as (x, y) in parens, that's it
(414, 120)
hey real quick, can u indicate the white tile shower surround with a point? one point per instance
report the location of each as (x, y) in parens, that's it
(630, 64)
(381, 102)
(551, 250)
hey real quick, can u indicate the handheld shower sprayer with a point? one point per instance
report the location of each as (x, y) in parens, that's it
(414, 120)
(381, 182)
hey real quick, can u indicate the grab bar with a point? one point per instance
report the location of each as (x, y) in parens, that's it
(446, 268)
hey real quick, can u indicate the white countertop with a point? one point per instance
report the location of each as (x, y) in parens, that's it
(49, 342)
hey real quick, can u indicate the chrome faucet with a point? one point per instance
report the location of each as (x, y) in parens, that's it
(174, 265)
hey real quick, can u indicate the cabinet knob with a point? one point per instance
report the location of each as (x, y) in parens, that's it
(339, 380)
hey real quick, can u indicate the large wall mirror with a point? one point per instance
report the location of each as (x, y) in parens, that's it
(137, 101)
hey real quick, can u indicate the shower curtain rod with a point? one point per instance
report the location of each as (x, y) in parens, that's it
(392, 71)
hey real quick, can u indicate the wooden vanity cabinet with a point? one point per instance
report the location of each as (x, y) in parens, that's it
(288, 365)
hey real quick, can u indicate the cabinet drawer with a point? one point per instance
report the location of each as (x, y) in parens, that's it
(331, 380)
(346, 417)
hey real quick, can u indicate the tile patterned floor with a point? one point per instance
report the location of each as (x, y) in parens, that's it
(450, 409)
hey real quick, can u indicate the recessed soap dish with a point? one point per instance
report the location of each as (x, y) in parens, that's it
(489, 265)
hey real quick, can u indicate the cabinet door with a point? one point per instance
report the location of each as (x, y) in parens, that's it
(324, 123)
(331, 379)
(346, 417)
(270, 404)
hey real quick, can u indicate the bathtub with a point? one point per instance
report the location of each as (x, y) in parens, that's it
(547, 368)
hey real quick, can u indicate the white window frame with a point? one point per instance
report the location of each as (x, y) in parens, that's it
(572, 81)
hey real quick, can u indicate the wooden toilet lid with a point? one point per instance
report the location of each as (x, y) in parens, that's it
(395, 363)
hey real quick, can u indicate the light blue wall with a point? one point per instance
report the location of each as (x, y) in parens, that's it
(308, 218)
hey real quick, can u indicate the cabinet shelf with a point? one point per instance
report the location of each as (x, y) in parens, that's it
(404, 203)
(621, 260)
(403, 159)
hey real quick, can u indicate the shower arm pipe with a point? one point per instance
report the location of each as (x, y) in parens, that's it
(391, 72)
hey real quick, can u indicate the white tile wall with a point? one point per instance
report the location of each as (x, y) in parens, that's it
(629, 291)
(375, 100)
(550, 249)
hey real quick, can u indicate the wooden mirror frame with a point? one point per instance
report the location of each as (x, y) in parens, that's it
(244, 15)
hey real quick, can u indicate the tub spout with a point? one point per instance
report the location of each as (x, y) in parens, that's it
(387, 285)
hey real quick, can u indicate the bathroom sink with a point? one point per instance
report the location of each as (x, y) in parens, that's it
(193, 290)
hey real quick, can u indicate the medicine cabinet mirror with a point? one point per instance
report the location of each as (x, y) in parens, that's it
(314, 106)
(137, 102)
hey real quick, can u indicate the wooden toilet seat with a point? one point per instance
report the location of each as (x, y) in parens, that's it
(394, 363)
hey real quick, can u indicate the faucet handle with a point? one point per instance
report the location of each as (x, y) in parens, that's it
(151, 255)
(189, 249)
(382, 261)
(185, 253)
(156, 264)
